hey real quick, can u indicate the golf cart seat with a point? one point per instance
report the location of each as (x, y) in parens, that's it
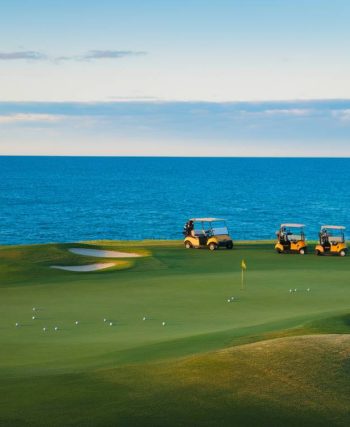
(200, 235)
(197, 233)
(335, 239)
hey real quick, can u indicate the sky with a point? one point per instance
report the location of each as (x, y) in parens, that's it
(175, 77)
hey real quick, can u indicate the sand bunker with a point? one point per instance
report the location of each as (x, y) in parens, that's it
(84, 268)
(102, 253)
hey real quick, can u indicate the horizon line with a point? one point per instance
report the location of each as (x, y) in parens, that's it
(154, 100)
(173, 157)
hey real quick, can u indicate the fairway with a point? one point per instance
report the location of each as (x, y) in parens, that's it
(170, 338)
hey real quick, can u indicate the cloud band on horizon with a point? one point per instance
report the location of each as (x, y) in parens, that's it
(96, 54)
(284, 128)
(20, 55)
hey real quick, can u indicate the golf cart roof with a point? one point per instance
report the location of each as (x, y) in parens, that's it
(206, 219)
(333, 227)
(293, 225)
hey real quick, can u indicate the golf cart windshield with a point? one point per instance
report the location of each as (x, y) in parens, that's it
(293, 234)
(333, 234)
(209, 228)
(219, 228)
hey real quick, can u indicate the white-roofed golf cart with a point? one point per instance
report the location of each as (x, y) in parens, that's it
(332, 241)
(207, 232)
(291, 239)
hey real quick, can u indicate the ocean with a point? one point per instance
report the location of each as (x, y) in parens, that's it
(66, 199)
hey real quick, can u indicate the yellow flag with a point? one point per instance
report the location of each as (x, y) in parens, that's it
(243, 265)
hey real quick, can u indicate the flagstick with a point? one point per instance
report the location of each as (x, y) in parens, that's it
(242, 281)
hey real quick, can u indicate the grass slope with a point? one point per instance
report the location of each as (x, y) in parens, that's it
(214, 363)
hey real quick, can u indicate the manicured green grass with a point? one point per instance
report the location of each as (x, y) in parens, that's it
(213, 363)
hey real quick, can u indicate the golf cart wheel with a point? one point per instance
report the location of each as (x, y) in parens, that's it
(188, 245)
(212, 246)
(342, 253)
(278, 251)
(317, 252)
(302, 251)
(229, 245)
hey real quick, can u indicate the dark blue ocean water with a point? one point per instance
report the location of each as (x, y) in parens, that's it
(60, 199)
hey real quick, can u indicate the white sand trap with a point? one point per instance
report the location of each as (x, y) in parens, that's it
(85, 268)
(102, 253)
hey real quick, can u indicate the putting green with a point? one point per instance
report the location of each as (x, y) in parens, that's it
(141, 372)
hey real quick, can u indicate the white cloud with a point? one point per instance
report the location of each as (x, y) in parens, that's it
(285, 112)
(30, 118)
(343, 115)
(28, 54)
(97, 54)
(289, 112)
(111, 54)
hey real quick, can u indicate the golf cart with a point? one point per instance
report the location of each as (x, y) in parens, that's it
(331, 241)
(291, 239)
(207, 232)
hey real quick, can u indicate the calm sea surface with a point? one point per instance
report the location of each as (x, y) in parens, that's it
(64, 199)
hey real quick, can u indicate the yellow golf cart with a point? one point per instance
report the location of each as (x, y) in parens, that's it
(291, 239)
(332, 241)
(207, 232)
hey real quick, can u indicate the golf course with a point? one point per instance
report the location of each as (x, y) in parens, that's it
(153, 334)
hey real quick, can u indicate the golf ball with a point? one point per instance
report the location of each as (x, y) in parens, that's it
(144, 318)
(44, 329)
(34, 308)
(163, 323)
(290, 290)
(308, 289)
(77, 322)
(33, 317)
(105, 320)
(295, 289)
(56, 328)
(17, 325)
(110, 323)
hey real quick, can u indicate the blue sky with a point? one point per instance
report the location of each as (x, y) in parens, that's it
(195, 77)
